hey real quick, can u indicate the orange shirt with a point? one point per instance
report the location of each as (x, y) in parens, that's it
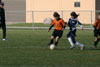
(58, 24)
(97, 23)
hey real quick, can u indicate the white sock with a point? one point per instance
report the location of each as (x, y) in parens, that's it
(71, 43)
(81, 45)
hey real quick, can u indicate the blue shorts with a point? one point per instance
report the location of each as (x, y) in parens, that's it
(72, 33)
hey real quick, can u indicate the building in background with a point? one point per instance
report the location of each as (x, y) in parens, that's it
(36, 10)
(83, 7)
(15, 10)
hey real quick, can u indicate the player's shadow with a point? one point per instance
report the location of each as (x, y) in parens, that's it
(77, 49)
(63, 49)
(92, 49)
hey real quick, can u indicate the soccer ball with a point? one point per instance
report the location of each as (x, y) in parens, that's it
(52, 47)
(48, 20)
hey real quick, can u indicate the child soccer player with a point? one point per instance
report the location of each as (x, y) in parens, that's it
(59, 28)
(97, 31)
(73, 21)
(2, 20)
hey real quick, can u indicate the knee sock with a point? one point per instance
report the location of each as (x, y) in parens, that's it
(81, 45)
(70, 41)
(56, 43)
(51, 41)
(96, 42)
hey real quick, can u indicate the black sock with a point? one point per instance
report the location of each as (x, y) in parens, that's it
(51, 42)
(96, 42)
(56, 43)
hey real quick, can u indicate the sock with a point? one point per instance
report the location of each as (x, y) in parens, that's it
(51, 42)
(81, 45)
(70, 41)
(56, 43)
(95, 43)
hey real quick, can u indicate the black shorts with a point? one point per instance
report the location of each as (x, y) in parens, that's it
(96, 32)
(58, 33)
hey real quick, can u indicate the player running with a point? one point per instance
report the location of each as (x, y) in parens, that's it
(73, 21)
(97, 31)
(2, 20)
(59, 28)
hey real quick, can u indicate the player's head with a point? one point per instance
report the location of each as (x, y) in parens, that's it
(74, 15)
(56, 15)
(98, 15)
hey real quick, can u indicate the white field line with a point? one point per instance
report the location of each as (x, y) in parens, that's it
(85, 28)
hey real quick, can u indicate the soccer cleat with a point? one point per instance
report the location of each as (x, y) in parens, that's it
(72, 47)
(55, 47)
(5, 39)
(83, 47)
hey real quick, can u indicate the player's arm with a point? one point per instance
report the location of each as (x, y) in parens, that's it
(64, 24)
(50, 28)
(95, 24)
(68, 24)
(81, 25)
(53, 23)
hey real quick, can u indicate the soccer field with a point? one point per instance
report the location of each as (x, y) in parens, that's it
(28, 48)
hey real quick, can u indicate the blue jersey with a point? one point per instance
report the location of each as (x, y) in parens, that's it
(72, 23)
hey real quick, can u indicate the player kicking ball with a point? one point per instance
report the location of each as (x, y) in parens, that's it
(59, 28)
(73, 21)
(97, 31)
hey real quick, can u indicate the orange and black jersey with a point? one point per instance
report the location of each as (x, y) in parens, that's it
(59, 24)
(97, 24)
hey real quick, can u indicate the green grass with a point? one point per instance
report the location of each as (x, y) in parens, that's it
(28, 48)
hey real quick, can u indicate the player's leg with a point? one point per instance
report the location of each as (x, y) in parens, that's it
(4, 31)
(56, 42)
(81, 45)
(51, 40)
(59, 35)
(96, 38)
(96, 42)
(53, 37)
(77, 43)
(70, 40)
(3, 25)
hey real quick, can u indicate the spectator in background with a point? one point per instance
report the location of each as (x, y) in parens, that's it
(2, 20)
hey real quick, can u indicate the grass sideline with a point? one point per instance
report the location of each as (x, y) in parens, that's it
(28, 48)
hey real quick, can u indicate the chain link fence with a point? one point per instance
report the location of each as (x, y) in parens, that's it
(34, 19)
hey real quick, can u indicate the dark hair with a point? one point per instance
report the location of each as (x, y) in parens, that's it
(74, 14)
(0, 1)
(56, 14)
